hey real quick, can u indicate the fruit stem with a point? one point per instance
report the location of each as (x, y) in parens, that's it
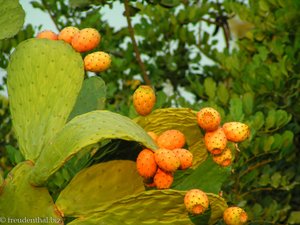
(135, 47)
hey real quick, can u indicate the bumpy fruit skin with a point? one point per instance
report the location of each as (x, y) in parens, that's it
(196, 201)
(171, 139)
(144, 100)
(166, 160)
(208, 119)
(185, 157)
(145, 163)
(67, 34)
(215, 141)
(163, 179)
(86, 40)
(97, 61)
(224, 159)
(235, 216)
(236, 131)
(47, 34)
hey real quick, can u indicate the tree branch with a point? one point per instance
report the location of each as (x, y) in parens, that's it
(135, 47)
(50, 14)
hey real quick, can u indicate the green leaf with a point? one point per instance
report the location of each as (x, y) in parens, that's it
(276, 179)
(210, 87)
(270, 120)
(151, 207)
(223, 94)
(14, 155)
(294, 217)
(91, 97)
(82, 131)
(248, 100)
(258, 120)
(182, 119)
(236, 109)
(12, 18)
(208, 177)
(268, 142)
(42, 90)
(25, 200)
(99, 184)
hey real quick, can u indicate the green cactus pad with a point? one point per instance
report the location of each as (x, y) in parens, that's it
(91, 97)
(99, 184)
(151, 207)
(20, 200)
(82, 131)
(44, 79)
(182, 119)
(208, 176)
(12, 18)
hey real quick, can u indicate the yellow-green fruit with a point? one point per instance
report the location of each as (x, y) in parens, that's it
(236, 131)
(224, 159)
(235, 216)
(196, 201)
(97, 61)
(144, 100)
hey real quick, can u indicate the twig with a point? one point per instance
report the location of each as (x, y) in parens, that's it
(256, 166)
(135, 47)
(50, 14)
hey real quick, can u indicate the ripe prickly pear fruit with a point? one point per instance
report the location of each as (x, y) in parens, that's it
(47, 34)
(215, 141)
(171, 139)
(153, 135)
(166, 160)
(145, 163)
(208, 119)
(235, 216)
(224, 159)
(97, 61)
(185, 157)
(86, 40)
(236, 131)
(196, 201)
(163, 179)
(67, 34)
(144, 100)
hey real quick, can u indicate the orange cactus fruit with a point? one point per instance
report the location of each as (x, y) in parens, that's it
(163, 179)
(235, 216)
(215, 141)
(236, 131)
(47, 34)
(166, 160)
(145, 164)
(208, 119)
(67, 34)
(224, 159)
(144, 100)
(196, 201)
(86, 39)
(97, 61)
(185, 157)
(171, 139)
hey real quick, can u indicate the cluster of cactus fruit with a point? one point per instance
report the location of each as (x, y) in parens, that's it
(83, 40)
(157, 167)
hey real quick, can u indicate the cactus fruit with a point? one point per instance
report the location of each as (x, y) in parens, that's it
(144, 100)
(235, 216)
(224, 159)
(208, 119)
(153, 135)
(47, 34)
(97, 61)
(236, 131)
(185, 157)
(171, 139)
(196, 201)
(163, 179)
(166, 160)
(215, 141)
(145, 163)
(86, 40)
(67, 34)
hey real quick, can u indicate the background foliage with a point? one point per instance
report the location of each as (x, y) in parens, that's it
(254, 79)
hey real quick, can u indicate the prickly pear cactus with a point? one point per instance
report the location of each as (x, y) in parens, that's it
(12, 18)
(44, 79)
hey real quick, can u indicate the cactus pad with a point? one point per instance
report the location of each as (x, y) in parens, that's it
(82, 131)
(19, 199)
(91, 97)
(98, 185)
(182, 119)
(12, 18)
(152, 207)
(44, 79)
